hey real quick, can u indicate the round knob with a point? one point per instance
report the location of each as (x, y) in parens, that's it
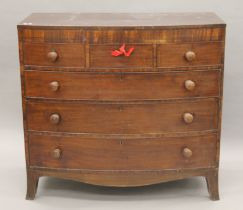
(188, 118)
(52, 56)
(55, 118)
(190, 85)
(190, 56)
(56, 153)
(54, 86)
(187, 153)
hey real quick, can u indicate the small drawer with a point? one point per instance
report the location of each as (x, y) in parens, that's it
(121, 86)
(76, 152)
(101, 56)
(191, 54)
(54, 55)
(123, 118)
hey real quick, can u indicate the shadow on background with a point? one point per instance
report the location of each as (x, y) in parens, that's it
(71, 189)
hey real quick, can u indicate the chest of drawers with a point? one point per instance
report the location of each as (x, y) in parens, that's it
(122, 99)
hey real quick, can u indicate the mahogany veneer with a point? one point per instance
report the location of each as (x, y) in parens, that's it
(122, 99)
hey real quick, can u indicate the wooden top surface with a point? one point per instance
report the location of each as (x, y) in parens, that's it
(134, 20)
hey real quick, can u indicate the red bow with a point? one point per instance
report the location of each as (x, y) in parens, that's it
(122, 51)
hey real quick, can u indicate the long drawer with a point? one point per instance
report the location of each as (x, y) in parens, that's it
(76, 152)
(121, 86)
(123, 118)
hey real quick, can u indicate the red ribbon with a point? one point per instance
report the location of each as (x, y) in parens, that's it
(122, 51)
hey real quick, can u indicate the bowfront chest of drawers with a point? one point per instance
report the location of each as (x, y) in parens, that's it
(122, 99)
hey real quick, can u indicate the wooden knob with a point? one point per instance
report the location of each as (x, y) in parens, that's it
(55, 119)
(188, 118)
(190, 85)
(56, 153)
(190, 56)
(187, 153)
(54, 86)
(52, 56)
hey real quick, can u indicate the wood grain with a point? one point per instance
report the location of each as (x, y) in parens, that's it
(131, 118)
(155, 36)
(100, 56)
(121, 178)
(117, 154)
(122, 20)
(53, 35)
(121, 86)
(69, 55)
(120, 121)
(172, 55)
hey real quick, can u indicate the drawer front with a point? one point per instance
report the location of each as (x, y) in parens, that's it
(127, 154)
(126, 118)
(156, 36)
(54, 55)
(51, 35)
(185, 55)
(121, 86)
(101, 56)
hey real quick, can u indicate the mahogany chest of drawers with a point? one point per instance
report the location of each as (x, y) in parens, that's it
(122, 99)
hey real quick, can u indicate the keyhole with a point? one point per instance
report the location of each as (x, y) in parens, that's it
(120, 108)
(121, 77)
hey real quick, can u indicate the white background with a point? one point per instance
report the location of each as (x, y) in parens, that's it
(60, 194)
